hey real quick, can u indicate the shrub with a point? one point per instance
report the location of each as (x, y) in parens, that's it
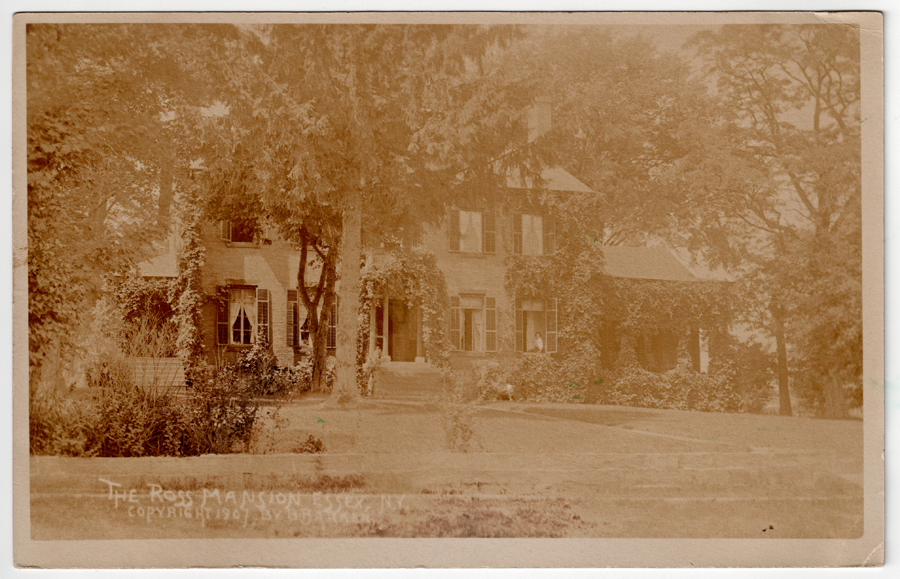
(135, 420)
(223, 409)
(257, 366)
(533, 377)
(457, 413)
(312, 445)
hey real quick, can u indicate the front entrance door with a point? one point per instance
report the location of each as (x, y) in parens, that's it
(402, 332)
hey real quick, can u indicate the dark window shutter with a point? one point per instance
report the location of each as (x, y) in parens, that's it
(517, 233)
(332, 326)
(549, 234)
(520, 327)
(222, 322)
(453, 230)
(262, 314)
(225, 230)
(292, 312)
(551, 330)
(489, 227)
(455, 334)
(490, 333)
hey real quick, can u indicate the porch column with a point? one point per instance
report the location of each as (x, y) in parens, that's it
(420, 339)
(704, 351)
(385, 318)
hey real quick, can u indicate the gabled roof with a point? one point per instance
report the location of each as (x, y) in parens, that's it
(557, 179)
(651, 263)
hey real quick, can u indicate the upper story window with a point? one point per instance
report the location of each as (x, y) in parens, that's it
(533, 234)
(473, 231)
(237, 231)
(246, 232)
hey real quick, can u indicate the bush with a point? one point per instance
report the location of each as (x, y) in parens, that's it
(681, 388)
(258, 367)
(135, 420)
(457, 413)
(312, 445)
(223, 409)
(533, 377)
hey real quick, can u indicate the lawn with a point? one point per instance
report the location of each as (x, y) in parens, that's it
(532, 470)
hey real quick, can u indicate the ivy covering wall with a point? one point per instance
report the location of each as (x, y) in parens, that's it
(191, 256)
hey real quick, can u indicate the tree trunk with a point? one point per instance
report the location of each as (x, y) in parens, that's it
(320, 337)
(784, 393)
(320, 354)
(345, 389)
(317, 319)
(834, 398)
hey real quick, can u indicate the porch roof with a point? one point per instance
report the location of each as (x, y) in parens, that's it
(556, 178)
(651, 263)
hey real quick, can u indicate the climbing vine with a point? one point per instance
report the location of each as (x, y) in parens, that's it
(190, 295)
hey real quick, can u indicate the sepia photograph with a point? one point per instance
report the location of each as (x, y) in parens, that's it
(430, 289)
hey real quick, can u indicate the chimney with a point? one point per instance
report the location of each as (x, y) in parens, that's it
(539, 118)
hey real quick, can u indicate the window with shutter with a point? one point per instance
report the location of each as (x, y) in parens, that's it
(536, 325)
(490, 335)
(455, 334)
(262, 315)
(489, 232)
(238, 231)
(532, 234)
(242, 315)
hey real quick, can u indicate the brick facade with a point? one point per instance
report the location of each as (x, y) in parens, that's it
(271, 265)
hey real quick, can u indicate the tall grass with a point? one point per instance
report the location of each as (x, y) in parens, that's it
(147, 413)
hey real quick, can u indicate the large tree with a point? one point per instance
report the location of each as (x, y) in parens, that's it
(106, 123)
(775, 191)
